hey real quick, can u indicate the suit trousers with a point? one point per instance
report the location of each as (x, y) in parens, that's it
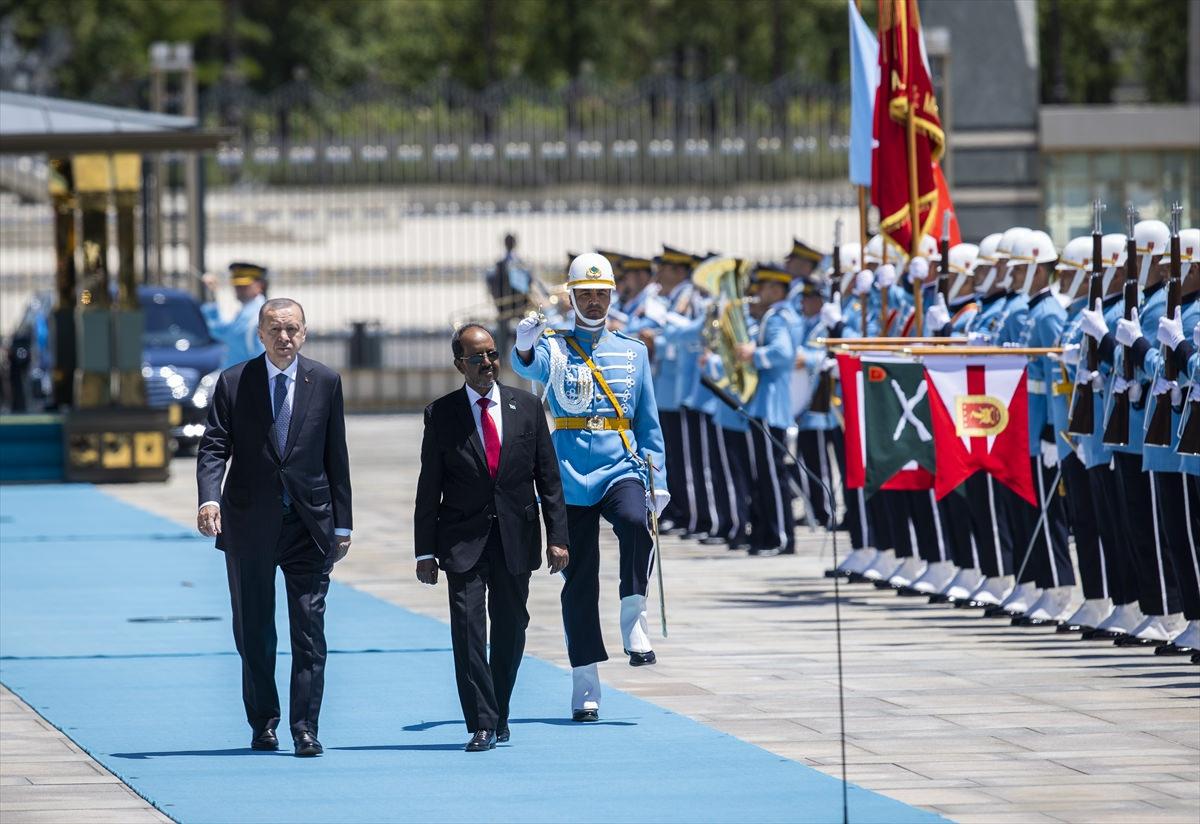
(1081, 513)
(925, 526)
(716, 473)
(1155, 577)
(885, 515)
(989, 525)
(813, 446)
(252, 592)
(487, 590)
(737, 453)
(1049, 563)
(624, 506)
(1178, 518)
(1109, 500)
(677, 511)
(773, 525)
(703, 517)
(955, 513)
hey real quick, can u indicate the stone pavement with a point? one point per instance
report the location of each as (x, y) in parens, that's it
(966, 716)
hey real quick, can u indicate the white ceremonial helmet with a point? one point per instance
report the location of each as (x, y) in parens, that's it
(849, 262)
(1153, 238)
(1004, 250)
(1030, 249)
(962, 264)
(874, 251)
(1076, 258)
(589, 271)
(1189, 250)
(929, 249)
(987, 257)
(1112, 256)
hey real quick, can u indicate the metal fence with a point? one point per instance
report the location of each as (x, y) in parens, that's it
(385, 206)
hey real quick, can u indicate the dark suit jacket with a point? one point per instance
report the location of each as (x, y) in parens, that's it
(458, 501)
(314, 466)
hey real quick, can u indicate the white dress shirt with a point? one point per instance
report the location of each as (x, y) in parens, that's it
(291, 372)
(476, 413)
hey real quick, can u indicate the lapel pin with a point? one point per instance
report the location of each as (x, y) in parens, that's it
(512, 406)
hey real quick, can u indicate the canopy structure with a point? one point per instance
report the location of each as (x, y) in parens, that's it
(35, 124)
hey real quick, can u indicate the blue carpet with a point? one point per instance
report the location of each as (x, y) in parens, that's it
(83, 576)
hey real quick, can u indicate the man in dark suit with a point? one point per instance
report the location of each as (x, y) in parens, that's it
(485, 452)
(277, 421)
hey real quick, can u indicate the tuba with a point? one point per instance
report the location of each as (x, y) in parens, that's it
(725, 325)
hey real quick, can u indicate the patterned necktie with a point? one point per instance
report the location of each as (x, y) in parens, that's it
(491, 438)
(283, 419)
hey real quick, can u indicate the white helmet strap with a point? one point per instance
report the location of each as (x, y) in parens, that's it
(1072, 291)
(583, 320)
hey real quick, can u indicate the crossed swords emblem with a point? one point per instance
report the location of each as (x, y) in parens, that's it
(908, 414)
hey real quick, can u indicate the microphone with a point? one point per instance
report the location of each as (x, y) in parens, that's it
(722, 394)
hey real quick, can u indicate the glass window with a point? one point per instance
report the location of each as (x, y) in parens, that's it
(170, 318)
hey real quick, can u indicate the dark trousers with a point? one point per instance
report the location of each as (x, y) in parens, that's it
(885, 515)
(1177, 517)
(1049, 560)
(717, 477)
(989, 526)
(1082, 515)
(924, 522)
(1111, 514)
(955, 513)
(1187, 557)
(736, 452)
(677, 511)
(773, 525)
(252, 593)
(692, 427)
(487, 590)
(813, 448)
(623, 506)
(1157, 593)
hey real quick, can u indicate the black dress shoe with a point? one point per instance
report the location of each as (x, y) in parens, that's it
(765, 552)
(857, 578)
(481, 741)
(1196, 657)
(1135, 641)
(1065, 628)
(1172, 649)
(1101, 634)
(641, 659)
(712, 540)
(585, 715)
(909, 592)
(502, 734)
(307, 745)
(265, 740)
(940, 598)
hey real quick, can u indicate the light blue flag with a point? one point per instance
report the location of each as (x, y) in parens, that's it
(864, 80)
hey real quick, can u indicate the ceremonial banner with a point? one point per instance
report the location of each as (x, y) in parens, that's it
(864, 80)
(905, 90)
(980, 413)
(898, 428)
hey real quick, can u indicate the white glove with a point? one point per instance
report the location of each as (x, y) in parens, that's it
(979, 338)
(1196, 334)
(528, 331)
(1071, 354)
(661, 498)
(655, 309)
(831, 312)
(937, 316)
(885, 276)
(1084, 376)
(1120, 385)
(1092, 322)
(863, 282)
(829, 364)
(1049, 455)
(1170, 330)
(918, 268)
(1128, 331)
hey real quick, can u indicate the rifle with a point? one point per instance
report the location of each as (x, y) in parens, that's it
(943, 281)
(1117, 431)
(822, 397)
(1080, 421)
(1158, 431)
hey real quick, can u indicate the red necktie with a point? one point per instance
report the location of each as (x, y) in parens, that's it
(491, 438)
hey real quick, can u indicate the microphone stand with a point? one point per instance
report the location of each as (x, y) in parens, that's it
(733, 403)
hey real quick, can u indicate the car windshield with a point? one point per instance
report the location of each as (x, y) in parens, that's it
(170, 320)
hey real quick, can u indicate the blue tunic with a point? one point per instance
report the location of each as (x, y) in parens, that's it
(592, 461)
(774, 358)
(1153, 307)
(990, 317)
(240, 335)
(1044, 319)
(1165, 458)
(805, 331)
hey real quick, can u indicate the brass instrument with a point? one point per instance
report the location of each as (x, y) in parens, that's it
(725, 326)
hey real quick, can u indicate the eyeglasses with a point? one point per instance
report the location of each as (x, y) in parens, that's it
(476, 360)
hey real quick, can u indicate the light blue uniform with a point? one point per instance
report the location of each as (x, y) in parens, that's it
(240, 335)
(1153, 307)
(774, 358)
(1094, 451)
(592, 461)
(1014, 314)
(806, 330)
(667, 363)
(1190, 464)
(989, 318)
(1044, 319)
(1165, 458)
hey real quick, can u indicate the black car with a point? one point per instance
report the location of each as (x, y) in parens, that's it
(180, 359)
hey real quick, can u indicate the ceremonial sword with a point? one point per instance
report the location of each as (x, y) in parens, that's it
(662, 597)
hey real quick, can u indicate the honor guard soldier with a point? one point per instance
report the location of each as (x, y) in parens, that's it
(1048, 568)
(633, 281)
(773, 353)
(602, 398)
(802, 260)
(239, 334)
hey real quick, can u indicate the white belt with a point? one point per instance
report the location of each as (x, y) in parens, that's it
(1036, 387)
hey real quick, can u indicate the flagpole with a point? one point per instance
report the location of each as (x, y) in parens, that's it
(914, 216)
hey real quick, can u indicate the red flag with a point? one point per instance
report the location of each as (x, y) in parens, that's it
(945, 204)
(980, 413)
(905, 89)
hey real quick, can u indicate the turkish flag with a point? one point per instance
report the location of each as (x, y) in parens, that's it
(905, 89)
(979, 407)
